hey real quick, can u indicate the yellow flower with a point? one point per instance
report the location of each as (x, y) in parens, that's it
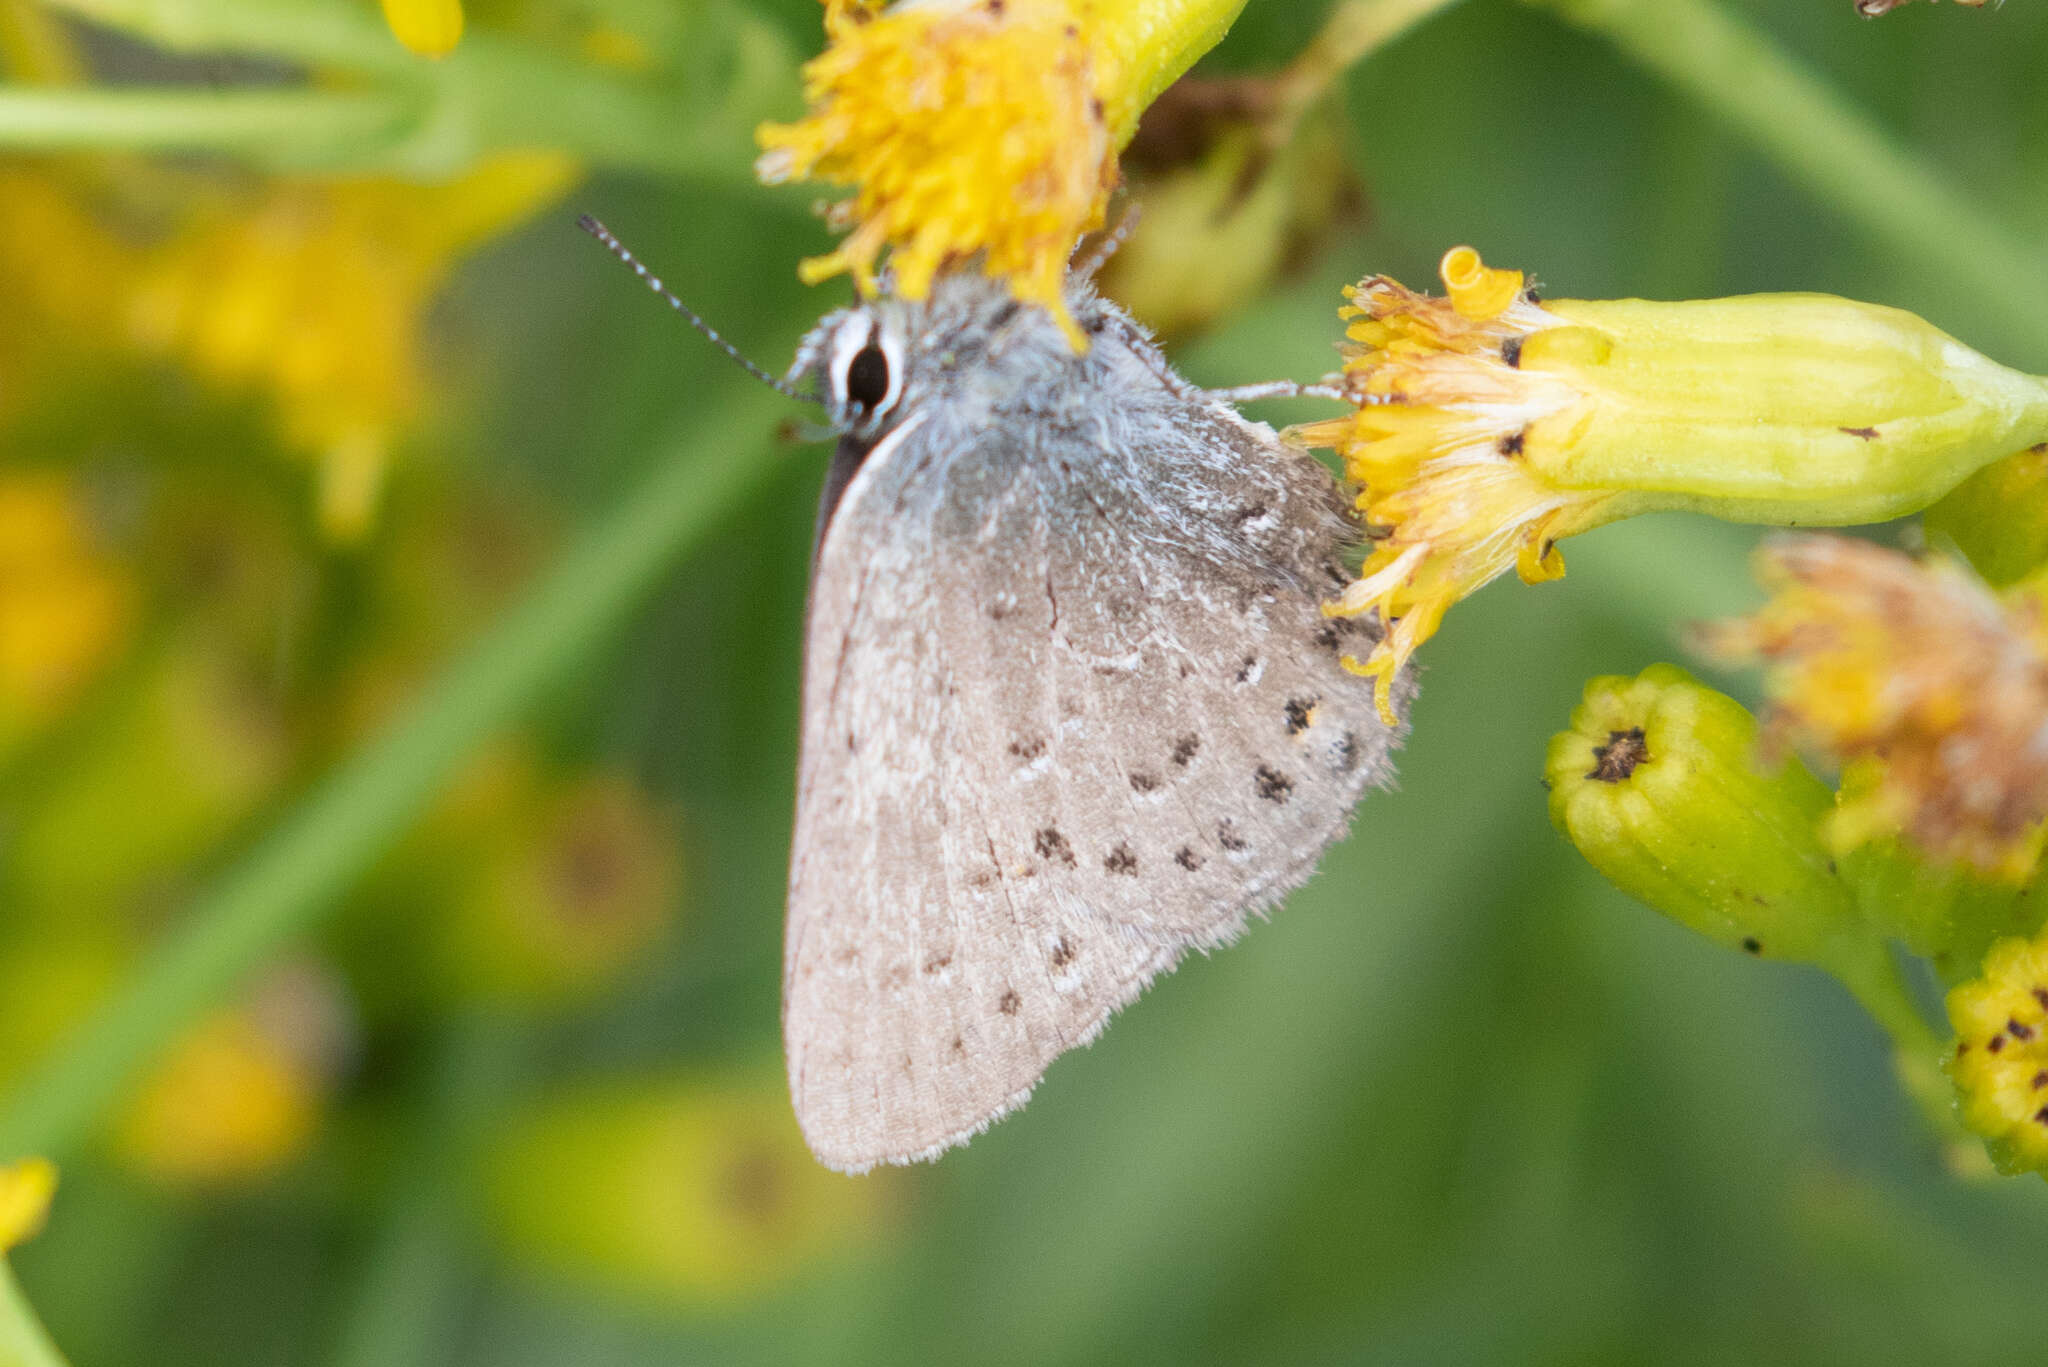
(694, 1192)
(2000, 1067)
(1920, 670)
(25, 1191)
(241, 1094)
(65, 605)
(314, 294)
(1490, 426)
(430, 28)
(984, 128)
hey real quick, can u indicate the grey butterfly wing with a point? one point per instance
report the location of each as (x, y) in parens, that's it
(1071, 708)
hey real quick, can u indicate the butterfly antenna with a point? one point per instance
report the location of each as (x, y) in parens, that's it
(1105, 247)
(653, 282)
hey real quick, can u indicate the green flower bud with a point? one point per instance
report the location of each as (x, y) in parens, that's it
(1998, 517)
(1657, 784)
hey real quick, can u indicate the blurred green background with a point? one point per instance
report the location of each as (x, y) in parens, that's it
(519, 1100)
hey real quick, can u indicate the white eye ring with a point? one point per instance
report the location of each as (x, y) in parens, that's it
(855, 336)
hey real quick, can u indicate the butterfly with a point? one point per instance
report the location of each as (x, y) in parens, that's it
(1071, 706)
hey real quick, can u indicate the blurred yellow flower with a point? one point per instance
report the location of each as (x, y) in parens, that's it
(314, 294)
(1489, 426)
(2000, 1067)
(1921, 671)
(241, 1094)
(694, 1192)
(430, 28)
(984, 128)
(26, 1189)
(65, 604)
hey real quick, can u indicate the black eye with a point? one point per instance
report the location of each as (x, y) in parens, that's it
(867, 377)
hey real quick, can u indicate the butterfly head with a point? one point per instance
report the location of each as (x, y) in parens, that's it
(857, 364)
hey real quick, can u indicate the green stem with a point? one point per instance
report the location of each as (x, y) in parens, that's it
(23, 1340)
(280, 889)
(403, 1311)
(250, 122)
(1796, 119)
(1870, 971)
(494, 92)
(1354, 31)
(316, 32)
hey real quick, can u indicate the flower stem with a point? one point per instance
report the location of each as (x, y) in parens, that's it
(1354, 31)
(403, 1310)
(1871, 973)
(281, 888)
(23, 1340)
(1799, 121)
(259, 124)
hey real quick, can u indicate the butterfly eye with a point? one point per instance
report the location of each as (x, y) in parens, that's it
(867, 377)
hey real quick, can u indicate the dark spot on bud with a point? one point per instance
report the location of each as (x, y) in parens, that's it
(2041, 996)
(1270, 784)
(937, 963)
(1867, 433)
(1228, 838)
(1096, 110)
(1062, 953)
(1071, 31)
(2040, 1080)
(2041, 1116)
(1010, 1004)
(1511, 444)
(1616, 760)
(1027, 750)
(1052, 845)
(2020, 1032)
(995, 7)
(1143, 783)
(1184, 750)
(1511, 352)
(1297, 714)
(1532, 296)
(1995, 1043)
(1186, 857)
(1752, 945)
(1121, 860)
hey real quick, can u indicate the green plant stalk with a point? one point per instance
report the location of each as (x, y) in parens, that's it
(403, 1311)
(280, 889)
(1796, 119)
(493, 92)
(1870, 971)
(255, 123)
(23, 1340)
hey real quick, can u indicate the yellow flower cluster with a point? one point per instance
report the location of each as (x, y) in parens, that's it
(2000, 1067)
(1920, 671)
(430, 28)
(964, 128)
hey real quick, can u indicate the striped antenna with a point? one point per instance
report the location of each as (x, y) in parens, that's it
(653, 282)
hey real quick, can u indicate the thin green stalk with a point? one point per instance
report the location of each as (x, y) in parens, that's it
(1799, 121)
(316, 32)
(1871, 973)
(249, 122)
(493, 92)
(1354, 31)
(280, 889)
(403, 1309)
(23, 1340)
